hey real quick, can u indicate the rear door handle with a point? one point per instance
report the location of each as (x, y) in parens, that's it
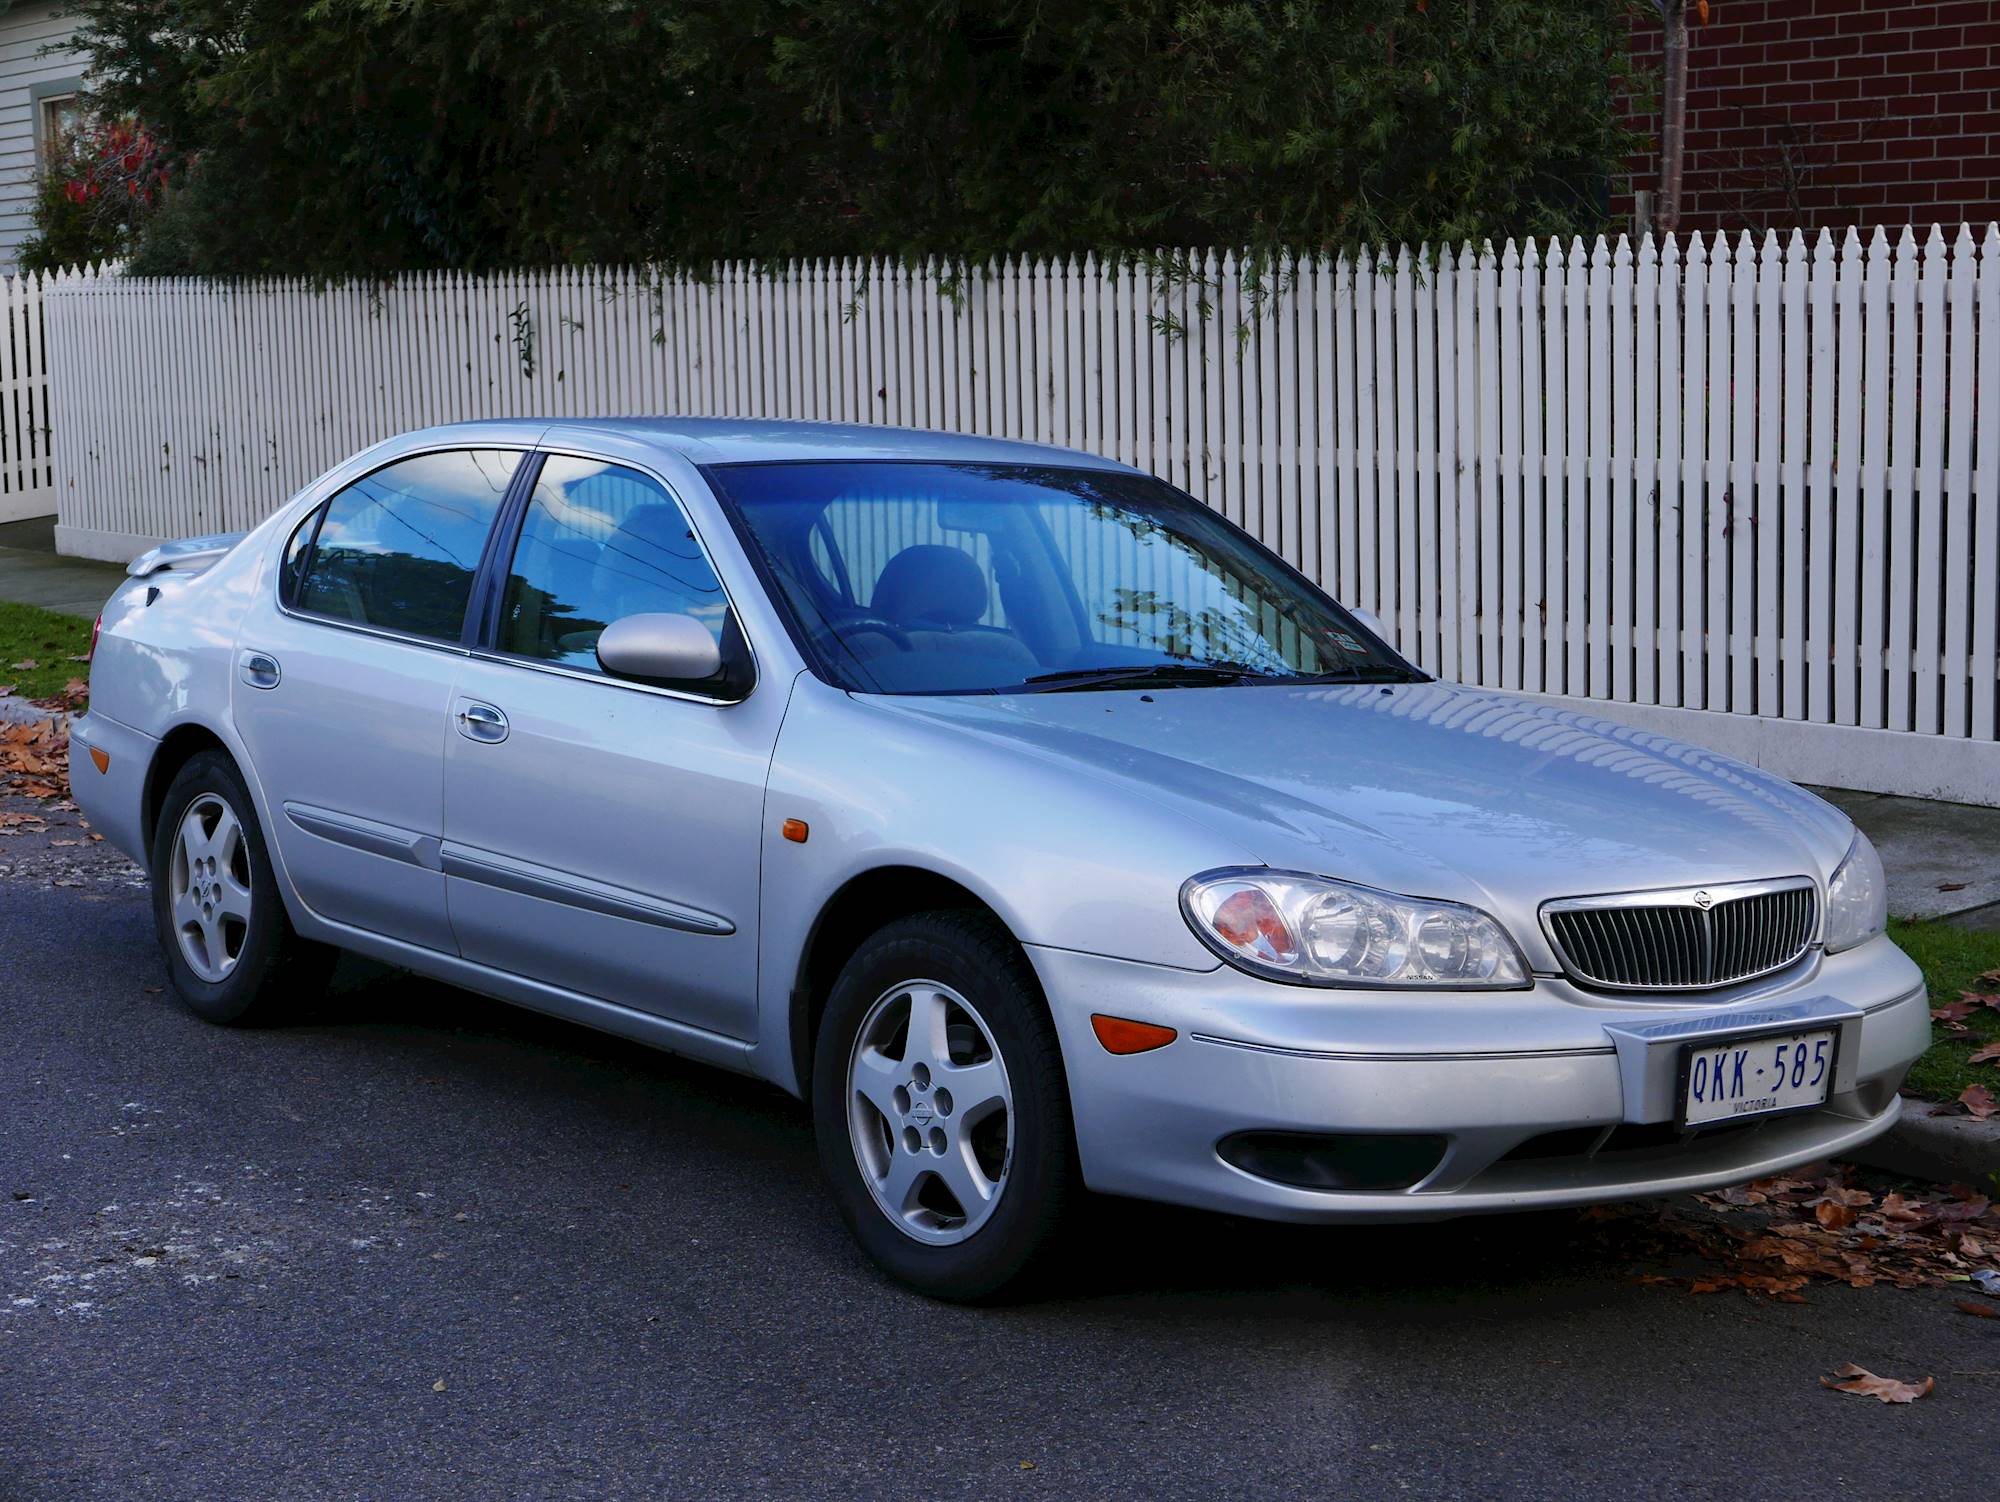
(258, 669)
(481, 722)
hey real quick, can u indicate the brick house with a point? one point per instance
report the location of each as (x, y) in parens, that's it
(1833, 112)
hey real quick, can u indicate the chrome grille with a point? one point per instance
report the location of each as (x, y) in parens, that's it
(1690, 939)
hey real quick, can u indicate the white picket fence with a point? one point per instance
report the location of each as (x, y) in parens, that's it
(1749, 493)
(27, 479)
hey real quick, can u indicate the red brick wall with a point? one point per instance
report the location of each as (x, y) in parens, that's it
(1833, 112)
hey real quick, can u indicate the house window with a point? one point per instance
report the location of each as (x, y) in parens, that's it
(59, 117)
(57, 104)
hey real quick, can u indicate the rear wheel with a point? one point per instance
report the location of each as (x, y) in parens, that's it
(221, 923)
(941, 1107)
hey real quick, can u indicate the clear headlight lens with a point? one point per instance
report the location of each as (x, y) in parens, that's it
(1857, 899)
(1333, 933)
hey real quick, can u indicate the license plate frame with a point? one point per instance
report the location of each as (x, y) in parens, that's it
(1691, 1049)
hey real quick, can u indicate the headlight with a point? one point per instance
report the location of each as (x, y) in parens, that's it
(1857, 899)
(1319, 932)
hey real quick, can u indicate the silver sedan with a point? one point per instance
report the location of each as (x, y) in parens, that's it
(1040, 827)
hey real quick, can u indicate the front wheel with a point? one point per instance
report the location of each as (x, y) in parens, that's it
(941, 1107)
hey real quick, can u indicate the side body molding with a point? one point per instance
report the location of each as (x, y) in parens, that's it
(386, 840)
(514, 875)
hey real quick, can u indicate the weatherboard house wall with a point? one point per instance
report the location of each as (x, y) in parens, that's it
(30, 73)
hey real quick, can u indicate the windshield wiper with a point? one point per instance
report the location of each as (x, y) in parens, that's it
(1137, 675)
(1378, 673)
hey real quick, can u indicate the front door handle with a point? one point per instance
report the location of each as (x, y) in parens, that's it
(258, 669)
(481, 722)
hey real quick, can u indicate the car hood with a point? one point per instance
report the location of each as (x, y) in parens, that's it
(1431, 789)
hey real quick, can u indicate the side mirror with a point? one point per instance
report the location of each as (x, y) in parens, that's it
(659, 648)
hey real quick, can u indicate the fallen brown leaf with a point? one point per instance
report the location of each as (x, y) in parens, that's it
(1976, 1309)
(1975, 1101)
(26, 665)
(1772, 1236)
(1865, 1384)
(1990, 1054)
(1951, 886)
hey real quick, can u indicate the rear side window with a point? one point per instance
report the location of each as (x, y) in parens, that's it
(600, 542)
(398, 550)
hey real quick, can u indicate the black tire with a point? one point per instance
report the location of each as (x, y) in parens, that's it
(269, 968)
(977, 959)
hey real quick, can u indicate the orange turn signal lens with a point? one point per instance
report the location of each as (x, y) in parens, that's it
(101, 757)
(795, 830)
(1123, 1035)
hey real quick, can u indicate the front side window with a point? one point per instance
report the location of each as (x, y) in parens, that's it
(601, 542)
(909, 577)
(399, 549)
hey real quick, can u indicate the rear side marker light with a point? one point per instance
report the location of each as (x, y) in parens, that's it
(96, 630)
(1122, 1035)
(101, 757)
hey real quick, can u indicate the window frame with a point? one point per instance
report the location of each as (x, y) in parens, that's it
(489, 591)
(315, 514)
(42, 95)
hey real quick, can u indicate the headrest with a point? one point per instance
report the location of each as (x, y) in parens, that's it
(643, 553)
(930, 583)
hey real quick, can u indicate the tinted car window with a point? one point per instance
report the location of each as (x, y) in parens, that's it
(600, 542)
(914, 577)
(398, 549)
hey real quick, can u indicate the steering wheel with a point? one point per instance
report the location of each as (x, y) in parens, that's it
(834, 633)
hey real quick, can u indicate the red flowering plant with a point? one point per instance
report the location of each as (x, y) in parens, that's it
(98, 185)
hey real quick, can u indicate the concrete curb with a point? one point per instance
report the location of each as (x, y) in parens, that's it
(15, 711)
(1944, 1149)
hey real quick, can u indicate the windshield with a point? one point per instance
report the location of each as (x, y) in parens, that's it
(918, 578)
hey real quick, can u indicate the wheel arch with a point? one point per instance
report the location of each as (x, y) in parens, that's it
(177, 748)
(862, 906)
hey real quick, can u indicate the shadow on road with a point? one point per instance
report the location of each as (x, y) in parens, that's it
(1117, 1249)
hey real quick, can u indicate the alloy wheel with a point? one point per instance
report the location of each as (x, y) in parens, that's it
(208, 888)
(930, 1112)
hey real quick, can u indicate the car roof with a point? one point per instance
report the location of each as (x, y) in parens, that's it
(740, 440)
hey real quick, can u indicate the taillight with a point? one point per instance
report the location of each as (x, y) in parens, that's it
(96, 630)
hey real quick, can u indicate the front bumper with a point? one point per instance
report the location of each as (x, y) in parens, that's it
(1523, 1091)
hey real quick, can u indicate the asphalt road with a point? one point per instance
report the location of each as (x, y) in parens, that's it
(423, 1245)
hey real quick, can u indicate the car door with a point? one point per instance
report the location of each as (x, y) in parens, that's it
(343, 685)
(601, 835)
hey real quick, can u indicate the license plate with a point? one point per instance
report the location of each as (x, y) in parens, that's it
(1756, 1076)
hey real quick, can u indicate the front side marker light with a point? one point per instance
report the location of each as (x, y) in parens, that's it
(1121, 1035)
(100, 758)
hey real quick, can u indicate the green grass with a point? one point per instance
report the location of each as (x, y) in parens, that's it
(49, 640)
(1952, 960)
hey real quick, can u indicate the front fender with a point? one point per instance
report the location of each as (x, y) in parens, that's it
(1065, 862)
